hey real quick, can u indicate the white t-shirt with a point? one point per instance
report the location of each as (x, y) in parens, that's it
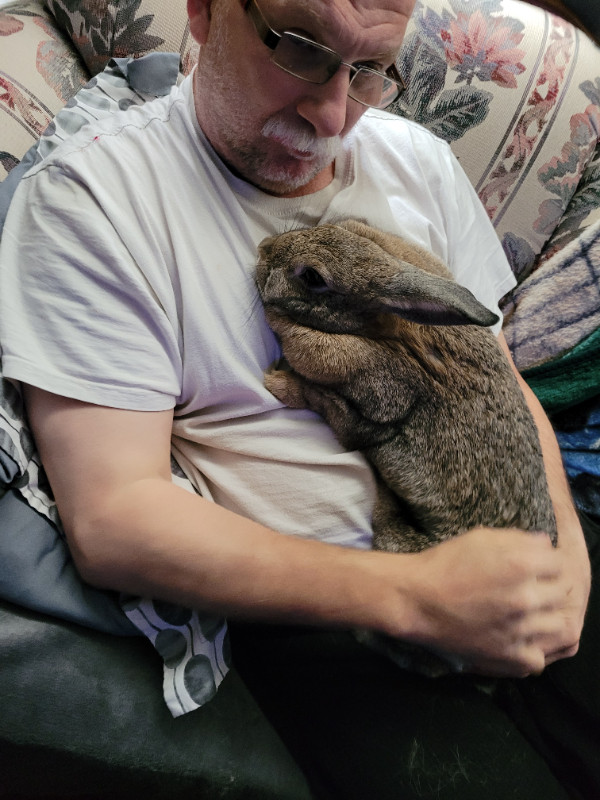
(127, 280)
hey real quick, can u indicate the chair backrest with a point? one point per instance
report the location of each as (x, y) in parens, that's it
(49, 51)
(516, 91)
(513, 88)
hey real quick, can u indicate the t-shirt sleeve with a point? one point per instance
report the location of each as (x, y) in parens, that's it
(80, 317)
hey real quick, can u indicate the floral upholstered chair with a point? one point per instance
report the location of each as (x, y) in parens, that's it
(516, 92)
(514, 89)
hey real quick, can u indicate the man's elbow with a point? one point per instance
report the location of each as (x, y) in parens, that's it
(95, 553)
(116, 539)
(105, 545)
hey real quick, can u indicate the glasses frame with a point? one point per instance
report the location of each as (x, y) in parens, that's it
(271, 39)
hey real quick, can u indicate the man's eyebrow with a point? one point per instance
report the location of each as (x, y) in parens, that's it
(312, 25)
(382, 55)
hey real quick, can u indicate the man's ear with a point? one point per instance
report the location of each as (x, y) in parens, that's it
(199, 17)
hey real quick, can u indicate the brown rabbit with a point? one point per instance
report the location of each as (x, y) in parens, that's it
(396, 357)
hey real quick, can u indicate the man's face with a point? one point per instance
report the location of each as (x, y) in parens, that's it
(276, 130)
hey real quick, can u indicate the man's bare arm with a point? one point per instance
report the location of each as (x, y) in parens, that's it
(131, 529)
(494, 598)
(571, 541)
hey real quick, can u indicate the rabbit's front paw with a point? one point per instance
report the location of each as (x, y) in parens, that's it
(286, 386)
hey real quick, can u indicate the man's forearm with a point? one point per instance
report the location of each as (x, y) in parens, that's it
(156, 539)
(485, 595)
(131, 529)
(570, 533)
(571, 541)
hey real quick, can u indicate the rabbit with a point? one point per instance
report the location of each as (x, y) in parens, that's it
(397, 358)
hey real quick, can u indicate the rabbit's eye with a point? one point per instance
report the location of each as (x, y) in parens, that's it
(311, 279)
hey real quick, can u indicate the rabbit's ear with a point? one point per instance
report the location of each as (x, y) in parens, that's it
(430, 300)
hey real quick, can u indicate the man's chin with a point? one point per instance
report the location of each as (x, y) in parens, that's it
(298, 178)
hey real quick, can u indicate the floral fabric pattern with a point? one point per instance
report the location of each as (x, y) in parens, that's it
(39, 65)
(55, 63)
(475, 46)
(105, 29)
(22, 105)
(47, 76)
(532, 122)
(484, 47)
(504, 94)
(583, 209)
(9, 24)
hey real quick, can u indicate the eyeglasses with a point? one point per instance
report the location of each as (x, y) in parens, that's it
(315, 63)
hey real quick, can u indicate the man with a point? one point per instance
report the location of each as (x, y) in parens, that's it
(141, 240)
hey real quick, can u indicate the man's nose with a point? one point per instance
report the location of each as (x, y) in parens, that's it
(325, 105)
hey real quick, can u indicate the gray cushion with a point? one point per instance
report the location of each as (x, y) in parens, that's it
(80, 717)
(38, 572)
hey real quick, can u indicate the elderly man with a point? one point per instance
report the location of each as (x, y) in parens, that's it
(140, 244)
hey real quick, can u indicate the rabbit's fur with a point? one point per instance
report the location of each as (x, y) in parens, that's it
(396, 357)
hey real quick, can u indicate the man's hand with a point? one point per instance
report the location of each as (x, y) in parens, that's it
(503, 600)
(577, 578)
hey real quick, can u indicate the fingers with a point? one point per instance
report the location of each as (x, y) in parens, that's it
(565, 645)
(538, 641)
(533, 607)
(523, 667)
(534, 635)
(565, 652)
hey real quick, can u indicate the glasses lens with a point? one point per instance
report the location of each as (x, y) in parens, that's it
(305, 59)
(373, 88)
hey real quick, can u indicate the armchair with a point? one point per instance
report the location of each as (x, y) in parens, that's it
(516, 90)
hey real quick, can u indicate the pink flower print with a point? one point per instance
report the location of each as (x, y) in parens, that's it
(484, 48)
(9, 25)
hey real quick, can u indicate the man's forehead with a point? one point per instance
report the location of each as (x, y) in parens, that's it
(401, 6)
(386, 19)
(372, 11)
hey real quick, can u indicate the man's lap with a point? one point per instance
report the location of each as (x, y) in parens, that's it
(361, 727)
